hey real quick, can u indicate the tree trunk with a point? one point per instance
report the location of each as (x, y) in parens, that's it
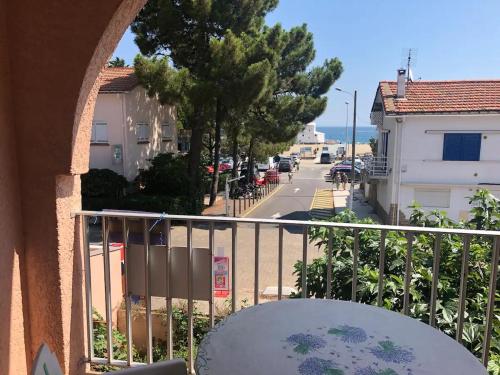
(217, 142)
(194, 158)
(250, 164)
(234, 154)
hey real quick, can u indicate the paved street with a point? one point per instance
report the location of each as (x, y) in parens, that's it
(293, 201)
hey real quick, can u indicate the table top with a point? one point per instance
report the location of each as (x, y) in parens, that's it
(315, 337)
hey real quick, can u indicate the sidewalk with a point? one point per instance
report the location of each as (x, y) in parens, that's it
(359, 206)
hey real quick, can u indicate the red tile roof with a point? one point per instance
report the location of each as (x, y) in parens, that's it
(118, 80)
(442, 97)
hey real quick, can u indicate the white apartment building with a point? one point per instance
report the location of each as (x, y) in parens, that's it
(310, 135)
(129, 128)
(438, 142)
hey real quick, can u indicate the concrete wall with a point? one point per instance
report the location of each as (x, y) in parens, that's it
(97, 276)
(122, 112)
(109, 108)
(141, 108)
(422, 168)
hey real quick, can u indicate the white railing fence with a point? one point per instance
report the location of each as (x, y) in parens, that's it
(153, 267)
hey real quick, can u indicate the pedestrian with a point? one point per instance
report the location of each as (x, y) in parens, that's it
(344, 180)
(336, 179)
(290, 177)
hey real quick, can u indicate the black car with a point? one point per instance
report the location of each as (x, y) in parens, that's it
(325, 158)
(284, 166)
(343, 168)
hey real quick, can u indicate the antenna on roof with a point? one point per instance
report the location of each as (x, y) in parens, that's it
(409, 60)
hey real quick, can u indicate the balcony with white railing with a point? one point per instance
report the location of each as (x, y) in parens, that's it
(378, 167)
(168, 260)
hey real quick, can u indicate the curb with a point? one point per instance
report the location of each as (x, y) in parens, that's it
(261, 201)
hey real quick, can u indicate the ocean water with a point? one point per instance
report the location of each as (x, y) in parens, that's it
(363, 133)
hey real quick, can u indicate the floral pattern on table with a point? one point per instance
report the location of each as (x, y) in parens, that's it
(346, 349)
(305, 343)
(388, 351)
(340, 349)
(319, 366)
(349, 334)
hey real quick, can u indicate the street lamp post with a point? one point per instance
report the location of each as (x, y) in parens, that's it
(353, 164)
(346, 131)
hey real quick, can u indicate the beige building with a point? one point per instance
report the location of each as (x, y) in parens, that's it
(129, 128)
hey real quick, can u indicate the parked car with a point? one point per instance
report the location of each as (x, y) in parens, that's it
(272, 176)
(285, 165)
(344, 168)
(325, 158)
(357, 162)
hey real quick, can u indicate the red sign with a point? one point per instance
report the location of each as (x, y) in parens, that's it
(221, 276)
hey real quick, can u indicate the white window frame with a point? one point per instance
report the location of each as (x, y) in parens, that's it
(142, 135)
(99, 139)
(170, 135)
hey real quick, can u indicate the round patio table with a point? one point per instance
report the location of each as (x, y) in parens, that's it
(316, 337)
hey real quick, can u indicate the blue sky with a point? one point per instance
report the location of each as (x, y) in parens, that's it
(454, 39)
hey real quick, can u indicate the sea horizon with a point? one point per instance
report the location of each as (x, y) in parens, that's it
(338, 133)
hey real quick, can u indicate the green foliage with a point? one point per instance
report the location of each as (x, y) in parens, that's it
(117, 63)
(373, 145)
(102, 183)
(485, 213)
(100, 343)
(164, 187)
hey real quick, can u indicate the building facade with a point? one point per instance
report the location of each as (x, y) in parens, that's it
(437, 144)
(129, 128)
(310, 135)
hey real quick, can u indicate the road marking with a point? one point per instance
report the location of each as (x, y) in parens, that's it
(322, 205)
(276, 215)
(245, 214)
(296, 190)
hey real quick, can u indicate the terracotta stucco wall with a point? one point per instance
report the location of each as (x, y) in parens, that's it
(12, 343)
(49, 62)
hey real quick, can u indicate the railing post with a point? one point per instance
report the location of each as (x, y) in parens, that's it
(256, 277)
(280, 262)
(355, 255)
(128, 303)
(107, 288)
(329, 265)
(463, 288)
(435, 279)
(408, 265)
(88, 288)
(170, 331)
(491, 300)
(233, 265)
(147, 296)
(304, 260)
(211, 246)
(190, 294)
(381, 269)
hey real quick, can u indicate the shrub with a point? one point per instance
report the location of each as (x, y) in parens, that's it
(103, 183)
(486, 212)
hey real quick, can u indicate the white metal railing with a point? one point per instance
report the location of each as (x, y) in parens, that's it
(149, 220)
(378, 167)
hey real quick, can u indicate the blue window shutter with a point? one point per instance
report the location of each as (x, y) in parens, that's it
(471, 147)
(451, 146)
(462, 146)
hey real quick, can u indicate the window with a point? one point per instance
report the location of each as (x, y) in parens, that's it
(99, 132)
(166, 132)
(142, 132)
(433, 198)
(462, 146)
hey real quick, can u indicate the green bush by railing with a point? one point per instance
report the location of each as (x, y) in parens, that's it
(486, 215)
